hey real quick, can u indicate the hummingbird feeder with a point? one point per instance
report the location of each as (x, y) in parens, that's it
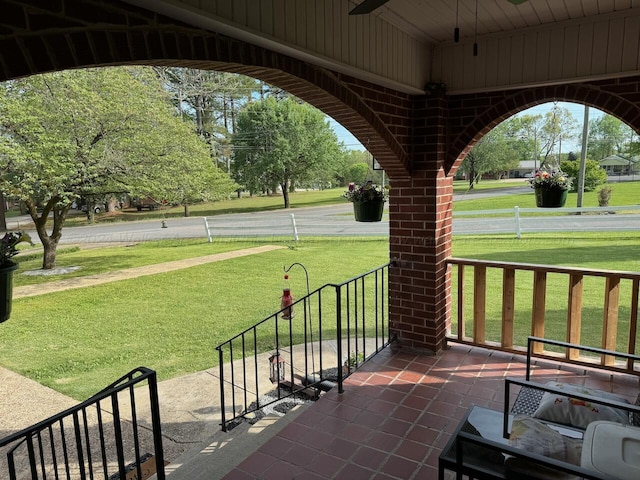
(286, 301)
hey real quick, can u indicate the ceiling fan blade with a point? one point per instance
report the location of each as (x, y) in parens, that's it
(367, 6)
(516, 2)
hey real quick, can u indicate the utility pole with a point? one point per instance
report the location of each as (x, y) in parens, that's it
(583, 155)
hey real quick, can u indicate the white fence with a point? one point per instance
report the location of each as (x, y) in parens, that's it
(275, 226)
(546, 219)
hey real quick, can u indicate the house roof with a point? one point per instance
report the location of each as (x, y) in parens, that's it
(617, 160)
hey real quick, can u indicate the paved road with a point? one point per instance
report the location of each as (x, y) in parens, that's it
(336, 220)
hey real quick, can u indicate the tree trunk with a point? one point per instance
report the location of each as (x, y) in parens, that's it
(49, 242)
(285, 194)
(112, 205)
(3, 213)
(186, 210)
(49, 258)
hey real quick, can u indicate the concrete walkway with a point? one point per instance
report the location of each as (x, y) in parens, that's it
(118, 275)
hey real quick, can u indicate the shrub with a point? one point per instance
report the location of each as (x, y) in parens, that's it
(604, 194)
(593, 174)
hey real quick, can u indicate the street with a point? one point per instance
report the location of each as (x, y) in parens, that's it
(335, 220)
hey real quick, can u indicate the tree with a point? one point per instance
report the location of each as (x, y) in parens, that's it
(593, 174)
(608, 136)
(212, 101)
(558, 125)
(281, 143)
(492, 154)
(89, 133)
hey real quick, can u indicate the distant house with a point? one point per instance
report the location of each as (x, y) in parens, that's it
(620, 165)
(524, 167)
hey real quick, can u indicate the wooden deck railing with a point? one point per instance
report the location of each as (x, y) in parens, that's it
(505, 304)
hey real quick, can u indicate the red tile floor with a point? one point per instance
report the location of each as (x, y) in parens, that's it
(396, 414)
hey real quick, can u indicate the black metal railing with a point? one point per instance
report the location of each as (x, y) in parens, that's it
(113, 435)
(332, 331)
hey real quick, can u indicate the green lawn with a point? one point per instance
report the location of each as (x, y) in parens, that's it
(626, 193)
(78, 341)
(245, 204)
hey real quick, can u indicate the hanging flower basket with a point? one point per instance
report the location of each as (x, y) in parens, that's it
(547, 198)
(368, 211)
(550, 187)
(368, 201)
(6, 291)
(7, 266)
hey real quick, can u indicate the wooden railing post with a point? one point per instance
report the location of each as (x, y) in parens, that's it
(479, 303)
(574, 313)
(610, 317)
(461, 292)
(538, 307)
(508, 306)
(633, 321)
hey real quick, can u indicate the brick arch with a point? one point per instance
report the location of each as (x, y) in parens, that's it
(619, 97)
(66, 34)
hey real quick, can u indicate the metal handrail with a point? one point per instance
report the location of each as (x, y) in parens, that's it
(52, 453)
(358, 329)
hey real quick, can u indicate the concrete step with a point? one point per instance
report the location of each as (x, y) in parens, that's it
(223, 451)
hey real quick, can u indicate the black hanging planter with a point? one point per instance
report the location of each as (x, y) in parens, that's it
(368, 211)
(6, 291)
(550, 198)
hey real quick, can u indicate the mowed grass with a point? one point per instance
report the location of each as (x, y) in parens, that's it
(108, 258)
(246, 204)
(78, 341)
(625, 193)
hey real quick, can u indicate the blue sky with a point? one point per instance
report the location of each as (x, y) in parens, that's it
(576, 109)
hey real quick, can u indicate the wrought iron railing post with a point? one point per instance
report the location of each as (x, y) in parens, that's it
(155, 421)
(339, 337)
(222, 405)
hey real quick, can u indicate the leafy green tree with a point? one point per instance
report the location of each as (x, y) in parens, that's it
(211, 100)
(88, 133)
(593, 174)
(492, 154)
(608, 136)
(359, 173)
(558, 126)
(281, 143)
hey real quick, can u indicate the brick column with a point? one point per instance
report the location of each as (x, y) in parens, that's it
(420, 235)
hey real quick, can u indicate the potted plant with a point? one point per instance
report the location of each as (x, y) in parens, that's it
(7, 266)
(550, 188)
(368, 201)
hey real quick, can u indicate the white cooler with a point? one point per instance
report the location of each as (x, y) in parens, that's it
(612, 448)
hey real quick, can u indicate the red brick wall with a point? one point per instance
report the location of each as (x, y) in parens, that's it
(420, 234)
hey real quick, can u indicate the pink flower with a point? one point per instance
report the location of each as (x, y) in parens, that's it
(352, 187)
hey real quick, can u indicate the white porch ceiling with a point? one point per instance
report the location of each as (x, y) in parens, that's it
(433, 21)
(405, 44)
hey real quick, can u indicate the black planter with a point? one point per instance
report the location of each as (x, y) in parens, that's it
(546, 198)
(6, 291)
(369, 211)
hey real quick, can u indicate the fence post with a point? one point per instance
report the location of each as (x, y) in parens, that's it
(206, 227)
(295, 229)
(516, 211)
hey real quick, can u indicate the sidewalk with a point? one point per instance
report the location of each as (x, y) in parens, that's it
(116, 276)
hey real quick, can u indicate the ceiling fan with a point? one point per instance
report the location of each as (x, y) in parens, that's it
(368, 6)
